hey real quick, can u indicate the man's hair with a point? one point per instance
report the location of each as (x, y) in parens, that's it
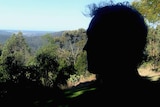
(120, 23)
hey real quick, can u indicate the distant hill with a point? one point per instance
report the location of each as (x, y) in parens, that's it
(5, 34)
(31, 32)
(33, 38)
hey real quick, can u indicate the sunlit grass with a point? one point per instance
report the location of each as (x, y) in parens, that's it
(75, 93)
(148, 72)
(69, 94)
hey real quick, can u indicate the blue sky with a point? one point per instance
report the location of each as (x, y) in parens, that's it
(51, 15)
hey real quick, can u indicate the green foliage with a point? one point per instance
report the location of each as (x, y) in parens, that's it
(71, 44)
(81, 63)
(149, 8)
(3, 75)
(74, 78)
(153, 47)
(70, 49)
(15, 55)
(17, 47)
(64, 74)
(52, 63)
(46, 61)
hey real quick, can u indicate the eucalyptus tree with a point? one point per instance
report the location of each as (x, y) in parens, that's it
(150, 9)
(46, 61)
(153, 48)
(15, 55)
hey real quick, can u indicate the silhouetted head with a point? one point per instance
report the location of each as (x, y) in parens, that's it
(116, 38)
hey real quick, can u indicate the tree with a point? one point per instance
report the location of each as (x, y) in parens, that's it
(153, 47)
(149, 8)
(73, 42)
(15, 55)
(81, 63)
(46, 61)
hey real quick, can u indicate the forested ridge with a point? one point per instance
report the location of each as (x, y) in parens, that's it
(26, 51)
(33, 38)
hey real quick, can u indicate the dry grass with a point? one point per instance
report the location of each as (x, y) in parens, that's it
(143, 71)
(82, 79)
(148, 72)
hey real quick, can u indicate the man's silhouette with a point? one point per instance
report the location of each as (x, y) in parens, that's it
(115, 49)
(116, 41)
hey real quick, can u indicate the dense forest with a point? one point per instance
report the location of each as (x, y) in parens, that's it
(49, 59)
(41, 64)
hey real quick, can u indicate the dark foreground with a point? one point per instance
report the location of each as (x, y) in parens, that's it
(38, 96)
